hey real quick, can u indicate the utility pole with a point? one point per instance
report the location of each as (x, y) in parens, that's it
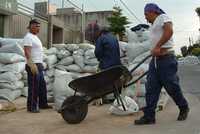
(83, 23)
(63, 3)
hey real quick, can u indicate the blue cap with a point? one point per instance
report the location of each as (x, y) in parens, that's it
(149, 7)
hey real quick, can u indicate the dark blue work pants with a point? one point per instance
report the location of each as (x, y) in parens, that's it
(37, 91)
(162, 73)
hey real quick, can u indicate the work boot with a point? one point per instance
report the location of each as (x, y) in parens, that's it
(46, 107)
(33, 111)
(183, 114)
(145, 121)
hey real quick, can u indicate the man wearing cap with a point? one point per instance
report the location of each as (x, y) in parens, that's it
(37, 92)
(107, 52)
(107, 49)
(163, 66)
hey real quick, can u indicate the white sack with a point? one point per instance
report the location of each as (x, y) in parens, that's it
(73, 68)
(86, 46)
(130, 105)
(66, 61)
(72, 47)
(9, 77)
(15, 67)
(90, 69)
(89, 54)
(60, 87)
(12, 49)
(51, 60)
(79, 60)
(8, 58)
(9, 94)
(91, 62)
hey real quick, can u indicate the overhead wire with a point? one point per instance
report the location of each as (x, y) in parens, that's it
(131, 12)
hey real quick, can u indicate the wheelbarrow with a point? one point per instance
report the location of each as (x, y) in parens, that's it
(112, 80)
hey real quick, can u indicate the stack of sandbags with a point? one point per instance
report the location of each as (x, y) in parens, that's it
(189, 60)
(12, 66)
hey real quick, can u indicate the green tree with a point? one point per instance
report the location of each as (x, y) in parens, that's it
(197, 10)
(117, 22)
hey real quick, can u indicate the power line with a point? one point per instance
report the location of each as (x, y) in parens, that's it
(131, 12)
(73, 4)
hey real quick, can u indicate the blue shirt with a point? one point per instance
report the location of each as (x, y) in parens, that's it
(107, 51)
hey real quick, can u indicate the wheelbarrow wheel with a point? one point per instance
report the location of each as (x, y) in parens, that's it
(74, 109)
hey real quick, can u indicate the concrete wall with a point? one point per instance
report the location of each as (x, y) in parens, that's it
(16, 27)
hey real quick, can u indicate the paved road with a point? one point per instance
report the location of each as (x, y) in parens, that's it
(190, 79)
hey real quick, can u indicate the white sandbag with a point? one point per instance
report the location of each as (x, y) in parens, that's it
(11, 41)
(8, 77)
(123, 45)
(86, 46)
(130, 105)
(140, 70)
(136, 49)
(51, 51)
(79, 60)
(132, 36)
(60, 87)
(50, 87)
(141, 101)
(59, 46)
(141, 57)
(73, 68)
(51, 60)
(44, 65)
(1, 65)
(24, 91)
(60, 67)
(9, 94)
(90, 69)
(12, 85)
(15, 67)
(72, 47)
(50, 73)
(79, 52)
(143, 35)
(66, 61)
(75, 75)
(6, 105)
(63, 53)
(12, 49)
(8, 58)
(91, 62)
(89, 54)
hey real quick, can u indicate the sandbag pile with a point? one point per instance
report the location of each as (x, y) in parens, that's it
(189, 60)
(12, 66)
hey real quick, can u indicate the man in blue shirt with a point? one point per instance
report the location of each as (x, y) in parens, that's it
(107, 50)
(107, 53)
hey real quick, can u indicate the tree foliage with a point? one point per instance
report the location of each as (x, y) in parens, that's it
(117, 22)
(198, 11)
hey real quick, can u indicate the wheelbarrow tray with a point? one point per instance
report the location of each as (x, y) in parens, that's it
(99, 84)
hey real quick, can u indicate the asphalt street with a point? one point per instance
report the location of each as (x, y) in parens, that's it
(190, 79)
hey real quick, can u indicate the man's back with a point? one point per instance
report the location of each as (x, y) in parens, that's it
(107, 51)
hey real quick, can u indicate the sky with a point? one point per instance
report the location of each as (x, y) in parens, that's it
(185, 20)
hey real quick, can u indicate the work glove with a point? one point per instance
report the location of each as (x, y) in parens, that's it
(33, 67)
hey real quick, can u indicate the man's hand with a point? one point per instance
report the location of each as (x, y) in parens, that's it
(33, 67)
(157, 51)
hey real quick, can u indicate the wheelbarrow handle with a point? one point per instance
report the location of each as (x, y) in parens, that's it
(136, 79)
(141, 62)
